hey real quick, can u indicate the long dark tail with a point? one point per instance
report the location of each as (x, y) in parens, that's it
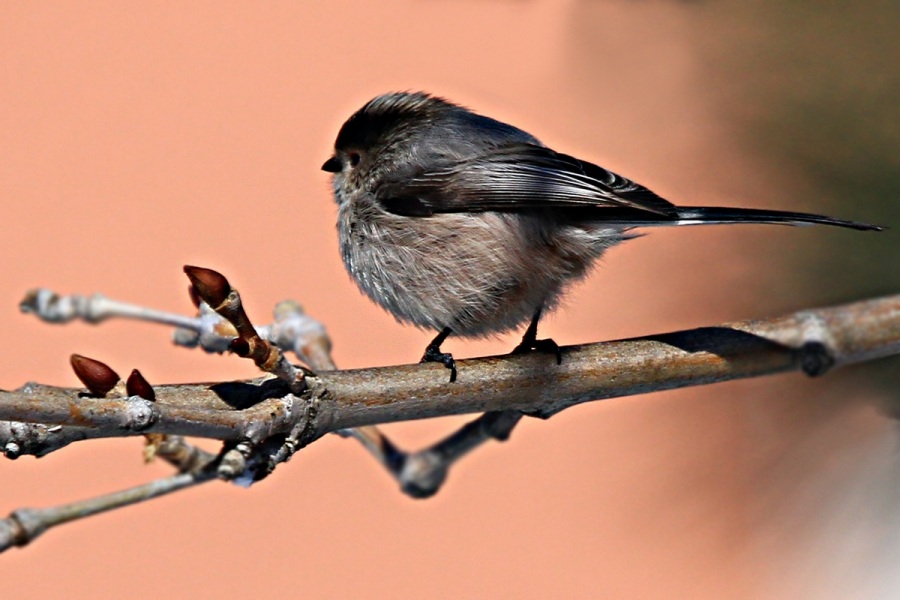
(711, 215)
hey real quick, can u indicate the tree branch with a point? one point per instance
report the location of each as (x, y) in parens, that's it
(420, 474)
(264, 421)
(25, 524)
(813, 341)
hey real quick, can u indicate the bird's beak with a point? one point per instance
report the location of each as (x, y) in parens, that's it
(332, 165)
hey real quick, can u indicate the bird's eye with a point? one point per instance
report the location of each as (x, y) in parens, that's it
(354, 159)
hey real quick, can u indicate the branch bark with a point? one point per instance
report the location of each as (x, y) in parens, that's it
(812, 341)
(264, 421)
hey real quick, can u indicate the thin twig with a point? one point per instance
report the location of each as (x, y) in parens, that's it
(214, 289)
(55, 308)
(25, 524)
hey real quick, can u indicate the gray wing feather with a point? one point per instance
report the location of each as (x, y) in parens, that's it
(520, 176)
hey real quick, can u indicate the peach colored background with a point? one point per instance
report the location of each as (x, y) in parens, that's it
(138, 137)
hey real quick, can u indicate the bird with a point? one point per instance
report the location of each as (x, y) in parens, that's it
(458, 223)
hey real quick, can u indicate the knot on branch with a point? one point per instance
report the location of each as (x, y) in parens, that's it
(140, 414)
(21, 527)
(816, 359)
(422, 474)
(12, 451)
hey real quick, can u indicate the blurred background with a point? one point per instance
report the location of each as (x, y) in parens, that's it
(136, 138)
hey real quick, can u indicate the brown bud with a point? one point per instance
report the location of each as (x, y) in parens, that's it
(136, 385)
(95, 375)
(211, 285)
(240, 346)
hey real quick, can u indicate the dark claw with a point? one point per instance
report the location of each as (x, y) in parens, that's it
(547, 346)
(434, 354)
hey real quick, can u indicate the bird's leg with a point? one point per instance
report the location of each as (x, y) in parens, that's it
(433, 353)
(530, 341)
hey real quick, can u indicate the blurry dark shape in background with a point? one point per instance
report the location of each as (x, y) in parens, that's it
(812, 92)
(820, 98)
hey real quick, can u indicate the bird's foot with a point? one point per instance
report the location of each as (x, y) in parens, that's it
(433, 354)
(547, 346)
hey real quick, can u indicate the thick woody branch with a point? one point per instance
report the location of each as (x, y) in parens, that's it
(812, 341)
(250, 410)
(265, 421)
(37, 439)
